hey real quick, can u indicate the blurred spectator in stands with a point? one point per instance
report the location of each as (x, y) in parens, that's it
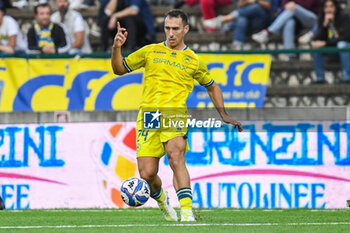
(276, 7)
(295, 11)
(46, 37)
(333, 31)
(307, 37)
(20, 4)
(7, 3)
(252, 15)
(162, 2)
(81, 4)
(136, 16)
(207, 8)
(75, 27)
(95, 30)
(11, 40)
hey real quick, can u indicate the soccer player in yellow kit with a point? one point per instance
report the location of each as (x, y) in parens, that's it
(170, 70)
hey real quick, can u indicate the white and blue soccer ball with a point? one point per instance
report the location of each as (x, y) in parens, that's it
(135, 191)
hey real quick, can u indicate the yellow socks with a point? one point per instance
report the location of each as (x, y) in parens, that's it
(159, 195)
(183, 194)
(185, 198)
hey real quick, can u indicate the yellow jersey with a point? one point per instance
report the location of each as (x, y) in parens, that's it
(168, 76)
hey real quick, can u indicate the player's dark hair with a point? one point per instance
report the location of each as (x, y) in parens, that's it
(44, 4)
(178, 13)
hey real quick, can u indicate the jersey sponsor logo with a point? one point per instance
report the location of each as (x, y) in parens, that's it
(187, 60)
(173, 54)
(169, 63)
(159, 52)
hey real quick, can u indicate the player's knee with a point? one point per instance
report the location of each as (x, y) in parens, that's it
(176, 159)
(147, 175)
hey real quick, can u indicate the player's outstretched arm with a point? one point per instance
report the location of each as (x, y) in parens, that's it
(215, 95)
(117, 58)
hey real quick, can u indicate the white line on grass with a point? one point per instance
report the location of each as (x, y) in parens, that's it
(148, 210)
(271, 210)
(179, 225)
(329, 210)
(81, 210)
(138, 210)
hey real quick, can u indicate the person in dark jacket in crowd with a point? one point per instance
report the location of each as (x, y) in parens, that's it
(46, 37)
(333, 31)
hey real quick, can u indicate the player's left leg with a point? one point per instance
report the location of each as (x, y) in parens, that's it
(175, 149)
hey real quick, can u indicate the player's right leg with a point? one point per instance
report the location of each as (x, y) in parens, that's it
(148, 169)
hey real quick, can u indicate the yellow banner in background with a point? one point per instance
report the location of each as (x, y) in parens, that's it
(89, 84)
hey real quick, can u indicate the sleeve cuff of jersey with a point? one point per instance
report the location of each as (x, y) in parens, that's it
(208, 84)
(126, 66)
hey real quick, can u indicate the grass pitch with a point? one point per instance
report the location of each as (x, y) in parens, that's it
(151, 220)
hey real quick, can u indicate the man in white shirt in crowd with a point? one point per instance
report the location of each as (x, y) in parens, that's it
(75, 27)
(11, 40)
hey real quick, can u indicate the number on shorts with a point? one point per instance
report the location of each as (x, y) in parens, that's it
(143, 133)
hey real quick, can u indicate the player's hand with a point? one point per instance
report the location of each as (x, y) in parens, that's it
(229, 120)
(120, 37)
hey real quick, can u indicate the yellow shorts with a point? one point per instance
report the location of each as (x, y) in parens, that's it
(150, 143)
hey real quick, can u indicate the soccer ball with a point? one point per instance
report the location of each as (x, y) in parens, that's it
(135, 191)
